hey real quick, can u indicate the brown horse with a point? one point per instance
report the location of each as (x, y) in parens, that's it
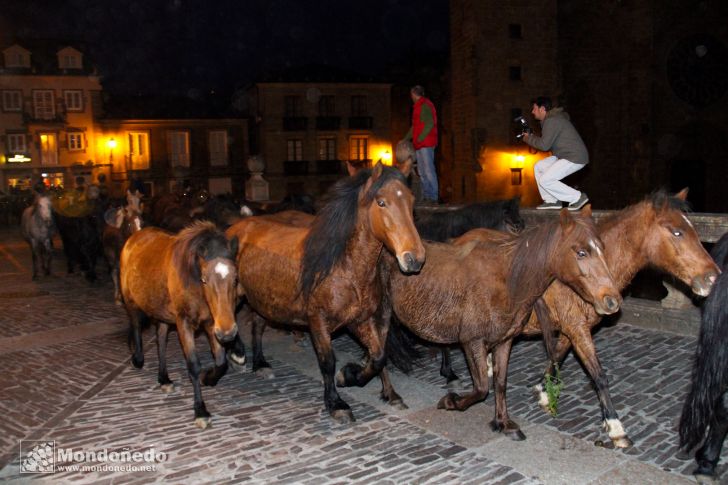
(120, 223)
(324, 276)
(480, 295)
(654, 232)
(188, 280)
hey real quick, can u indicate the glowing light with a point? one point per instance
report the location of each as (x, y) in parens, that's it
(386, 157)
(43, 138)
(18, 158)
(111, 143)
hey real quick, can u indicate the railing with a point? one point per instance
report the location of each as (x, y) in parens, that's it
(328, 167)
(360, 122)
(330, 123)
(295, 167)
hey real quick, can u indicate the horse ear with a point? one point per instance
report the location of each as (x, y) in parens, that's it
(119, 218)
(586, 211)
(234, 246)
(683, 194)
(567, 222)
(377, 171)
(350, 169)
(405, 167)
(128, 193)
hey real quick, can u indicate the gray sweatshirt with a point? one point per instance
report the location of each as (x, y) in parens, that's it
(559, 136)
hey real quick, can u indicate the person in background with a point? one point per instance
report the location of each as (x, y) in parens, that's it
(423, 134)
(569, 154)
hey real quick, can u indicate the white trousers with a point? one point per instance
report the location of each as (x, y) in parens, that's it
(549, 172)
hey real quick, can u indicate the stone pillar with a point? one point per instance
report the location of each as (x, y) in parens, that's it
(256, 188)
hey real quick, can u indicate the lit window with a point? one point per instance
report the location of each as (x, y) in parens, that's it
(12, 100)
(358, 148)
(295, 150)
(74, 100)
(43, 104)
(218, 148)
(75, 141)
(178, 148)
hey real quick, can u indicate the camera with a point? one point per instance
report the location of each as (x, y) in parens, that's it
(521, 127)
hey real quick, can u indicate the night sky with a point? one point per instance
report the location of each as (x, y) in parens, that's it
(193, 47)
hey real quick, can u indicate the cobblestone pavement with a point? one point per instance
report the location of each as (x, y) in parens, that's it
(67, 378)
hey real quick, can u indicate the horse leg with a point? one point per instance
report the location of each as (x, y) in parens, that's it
(708, 455)
(47, 254)
(388, 394)
(446, 367)
(354, 374)
(563, 345)
(34, 250)
(136, 318)
(476, 353)
(260, 365)
(502, 422)
(117, 287)
(165, 382)
(187, 340)
(210, 377)
(321, 338)
(587, 353)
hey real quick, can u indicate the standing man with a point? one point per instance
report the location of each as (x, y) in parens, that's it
(559, 136)
(423, 134)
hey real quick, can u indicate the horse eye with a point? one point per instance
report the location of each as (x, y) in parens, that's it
(677, 233)
(203, 281)
(381, 203)
(581, 254)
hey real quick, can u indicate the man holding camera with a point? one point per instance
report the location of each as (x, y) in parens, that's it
(569, 154)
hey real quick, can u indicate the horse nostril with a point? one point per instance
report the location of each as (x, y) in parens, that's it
(409, 259)
(611, 303)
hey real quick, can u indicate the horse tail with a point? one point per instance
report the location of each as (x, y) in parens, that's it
(400, 347)
(710, 366)
(720, 251)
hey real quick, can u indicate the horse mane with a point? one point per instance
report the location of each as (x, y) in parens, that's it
(532, 250)
(326, 242)
(199, 239)
(441, 226)
(662, 199)
(710, 366)
(719, 253)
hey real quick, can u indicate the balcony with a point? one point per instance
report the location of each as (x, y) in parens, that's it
(295, 167)
(328, 167)
(360, 122)
(330, 123)
(295, 123)
(30, 118)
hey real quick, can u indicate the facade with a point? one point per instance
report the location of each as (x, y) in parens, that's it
(648, 99)
(164, 154)
(47, 112)
(307, 131)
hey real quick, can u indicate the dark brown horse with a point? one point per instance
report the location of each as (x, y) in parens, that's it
(324, 276)
(188, 280)
(480, 295)
(120, 223)
(37, 228)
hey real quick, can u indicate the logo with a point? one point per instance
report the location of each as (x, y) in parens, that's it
(37, 456)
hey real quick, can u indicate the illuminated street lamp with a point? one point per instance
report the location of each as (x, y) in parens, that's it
(111, 144)
(516, 168)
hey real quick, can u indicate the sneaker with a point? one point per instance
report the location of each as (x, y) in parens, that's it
(549, 205)
(575, 206)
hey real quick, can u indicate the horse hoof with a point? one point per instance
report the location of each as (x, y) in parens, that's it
(265, 373)
(398, 404)
(515, 434)
(447, 401)
(236, 365)
(118, 303)
(202, 423)
(342, 416)
(622, 442)
(541, 397)
(237, 359)
(706, 480)
(136, 362)
(167, 388)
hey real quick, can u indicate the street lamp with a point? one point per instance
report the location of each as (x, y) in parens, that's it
(516, 168)
(111, 144)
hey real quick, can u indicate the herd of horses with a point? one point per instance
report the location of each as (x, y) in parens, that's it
(368, 262)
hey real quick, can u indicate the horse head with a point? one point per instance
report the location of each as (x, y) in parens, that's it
(390, 204)
(673, 245)
(43, 207)
(133, 201)
(579, 262)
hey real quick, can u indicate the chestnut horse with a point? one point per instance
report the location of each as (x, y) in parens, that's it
(480, 295)
(188, 280)
(324, 276)
(654, 232)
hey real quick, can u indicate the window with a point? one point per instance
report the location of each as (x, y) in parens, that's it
(327, 149)
(327, 106)
(218, 148)
(292, 106)
(16, 143)
(12, 100)
(48, 149)
(358, 106)
(17, 59)
(514, 31)
(43, 105)
(74, 100)
(295, 150)
(178, 148)
(514, 73)
(70, 62)
(75, 141)
(139, 150)
(358, 148)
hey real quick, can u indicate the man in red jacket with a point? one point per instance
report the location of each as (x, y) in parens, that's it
(424, 138)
